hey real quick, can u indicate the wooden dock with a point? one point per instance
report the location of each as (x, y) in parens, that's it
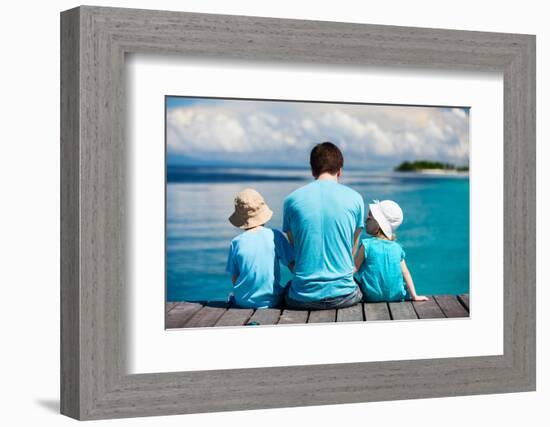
(200, 315)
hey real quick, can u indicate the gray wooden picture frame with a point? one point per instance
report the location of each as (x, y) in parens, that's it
(94, 41)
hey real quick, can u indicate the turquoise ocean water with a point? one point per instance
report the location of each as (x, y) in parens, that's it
(434, 233)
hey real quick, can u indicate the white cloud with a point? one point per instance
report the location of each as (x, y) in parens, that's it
(189, 130)
(308, 124)
(287, 131)
(434, 131)
(459, 112)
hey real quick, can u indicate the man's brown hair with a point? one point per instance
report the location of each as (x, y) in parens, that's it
(326, 157)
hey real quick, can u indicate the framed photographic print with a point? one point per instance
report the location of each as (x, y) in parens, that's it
(349, 207)
(216, 148)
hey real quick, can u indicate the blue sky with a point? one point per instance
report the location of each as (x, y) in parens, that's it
(222, 131)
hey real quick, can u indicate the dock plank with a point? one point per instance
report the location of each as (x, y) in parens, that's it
(465, 301)
(219, 313)
(170, 305)
(350, 314)
(207, 316)
(235, 317)
(376, 311)
(181, 313)
(322, 316)
(450, 306)
(289, 317)
(266, 316)
(428, 309)
(402, 310)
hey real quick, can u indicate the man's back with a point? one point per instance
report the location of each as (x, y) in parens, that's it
(322, 217)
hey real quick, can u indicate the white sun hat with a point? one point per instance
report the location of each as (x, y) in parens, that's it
(388, 214)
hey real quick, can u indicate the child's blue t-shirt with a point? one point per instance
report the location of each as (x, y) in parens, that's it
(380, 276)
(254, 258)
(323, 217)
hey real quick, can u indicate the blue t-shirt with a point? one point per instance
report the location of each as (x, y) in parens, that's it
(254, 258)
(322, 217)
(380, 275)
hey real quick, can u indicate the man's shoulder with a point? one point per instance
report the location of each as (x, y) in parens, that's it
(349, 197)
(350, 192)
(298, 193)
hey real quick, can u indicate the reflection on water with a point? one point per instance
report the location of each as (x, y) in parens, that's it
(434, 233)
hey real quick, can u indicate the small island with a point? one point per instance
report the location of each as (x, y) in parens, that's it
(428, 166)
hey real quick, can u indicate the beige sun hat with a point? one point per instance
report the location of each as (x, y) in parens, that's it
(388, 214)
(250, 209)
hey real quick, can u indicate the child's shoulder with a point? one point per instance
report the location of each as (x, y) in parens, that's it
(376, 242)
(397, 248)
(265, 232)
(235, 240)
(279, 238)
(367, 240)
(394, 244)
(276, 233)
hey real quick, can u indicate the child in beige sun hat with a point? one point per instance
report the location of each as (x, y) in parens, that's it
(254, 255)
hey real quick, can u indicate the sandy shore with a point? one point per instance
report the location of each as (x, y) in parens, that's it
(442, 172)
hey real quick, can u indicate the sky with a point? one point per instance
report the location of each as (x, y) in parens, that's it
(202, 131)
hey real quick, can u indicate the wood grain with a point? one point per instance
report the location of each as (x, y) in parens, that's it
(450, 306)
(350, 314)
(428, 309)
(181, 313)
(235, 317)
(266, 316)
(289, 317)
(377, 311)
(170, 306)
(70, 313)
(205, 317)
(322, 316)
(465, 301)
(402, 310)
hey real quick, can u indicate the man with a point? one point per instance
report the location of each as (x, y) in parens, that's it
(323, 221)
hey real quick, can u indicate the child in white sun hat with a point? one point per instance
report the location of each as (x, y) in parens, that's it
(254, 255)
(380, 264)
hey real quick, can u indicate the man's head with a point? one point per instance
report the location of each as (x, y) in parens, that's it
(326, 158)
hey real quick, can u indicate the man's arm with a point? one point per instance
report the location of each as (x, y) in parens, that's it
(290, 238)
(291, 266)
(234, 279)
(359, 258)
(285, 249)
(356, 241)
